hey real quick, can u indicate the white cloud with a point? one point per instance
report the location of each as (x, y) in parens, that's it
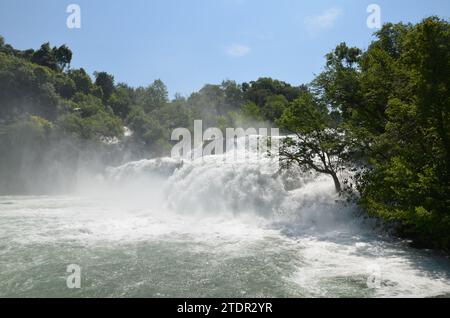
(238, 50)
(326, 20)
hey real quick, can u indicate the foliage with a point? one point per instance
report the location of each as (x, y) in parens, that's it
(316, 144)
(394, 99)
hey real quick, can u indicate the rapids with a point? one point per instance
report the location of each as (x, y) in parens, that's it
(205, 228)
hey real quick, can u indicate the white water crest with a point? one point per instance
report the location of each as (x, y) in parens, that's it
(207, 228)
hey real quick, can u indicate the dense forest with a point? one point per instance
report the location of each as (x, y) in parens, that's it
(382, 111)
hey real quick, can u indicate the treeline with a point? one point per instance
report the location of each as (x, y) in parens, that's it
(40, 87)
(52, 115)
(383, 111)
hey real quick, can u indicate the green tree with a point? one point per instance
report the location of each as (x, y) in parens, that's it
(106, 82)
(316, 144)
(63, 56)
(83, 82)
(274, 106)
(54, 58)
(393, 100)
(121, 101)
(262, 92)
(45, 56)
(154, 96)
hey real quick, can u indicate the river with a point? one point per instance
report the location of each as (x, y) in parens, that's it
(156, 228)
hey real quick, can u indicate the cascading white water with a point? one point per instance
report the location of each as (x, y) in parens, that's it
(249, 185)
(206, 227)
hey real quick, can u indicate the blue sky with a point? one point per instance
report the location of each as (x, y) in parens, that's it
(188, 43)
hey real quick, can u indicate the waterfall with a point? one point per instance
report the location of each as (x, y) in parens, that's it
(208, 228)
(249, 184)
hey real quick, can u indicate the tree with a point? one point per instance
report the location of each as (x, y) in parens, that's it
(258, 92)
(274, 106)
(207, 104)
(83, 82)
(316, 144)
(154, 96)
(397, 107)
(106, 82)
(54, 58)
(251, 111)
(234, 96)
(45, 56)
(63, 57)
(121, 100)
